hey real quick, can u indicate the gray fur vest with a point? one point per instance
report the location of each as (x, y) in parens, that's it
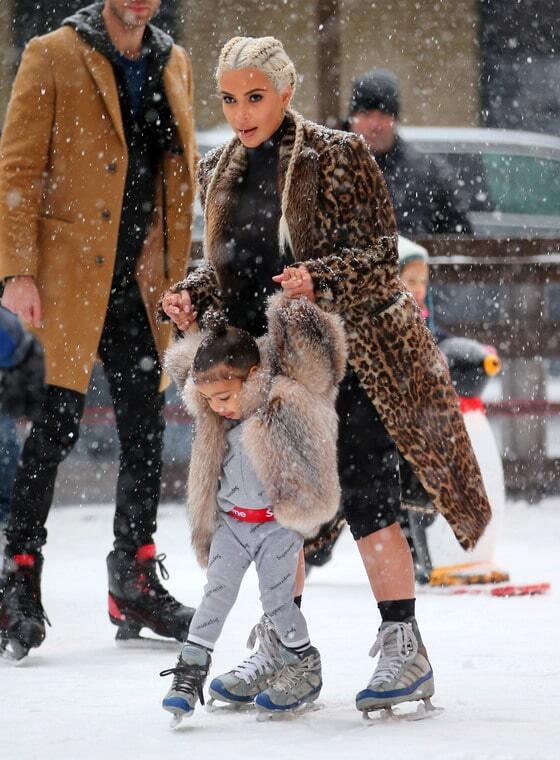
(291, 430)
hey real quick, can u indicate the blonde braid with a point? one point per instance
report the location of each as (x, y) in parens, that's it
(284, 236)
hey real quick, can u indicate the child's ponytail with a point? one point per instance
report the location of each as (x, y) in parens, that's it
(224, 352)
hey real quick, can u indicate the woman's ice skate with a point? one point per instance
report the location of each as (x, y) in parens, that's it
(189, 677)
(403, 673)
(298, 685)
(239, 687)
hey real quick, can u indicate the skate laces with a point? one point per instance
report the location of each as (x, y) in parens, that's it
(291, 673)
(154, 587)
(158, 559)
(265, 659)
(397, 645)
(188, 679)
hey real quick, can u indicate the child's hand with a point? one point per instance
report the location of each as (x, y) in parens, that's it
(296, 282)
(178, 308)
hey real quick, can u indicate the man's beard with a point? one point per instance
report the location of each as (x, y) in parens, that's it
(127, 18)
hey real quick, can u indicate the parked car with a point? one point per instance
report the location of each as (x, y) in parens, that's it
(510, 178)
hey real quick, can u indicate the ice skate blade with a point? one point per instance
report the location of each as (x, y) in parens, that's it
(178, 718)
(264, 716)
(13, 652)
(214, 706)
(146, 642)
(424, 711)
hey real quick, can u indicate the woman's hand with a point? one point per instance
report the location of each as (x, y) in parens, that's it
(178, 308)
(296, 282)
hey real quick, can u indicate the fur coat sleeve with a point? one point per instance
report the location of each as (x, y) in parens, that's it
(366, 253)
(291, 424)
(292, 437)
(202, 282)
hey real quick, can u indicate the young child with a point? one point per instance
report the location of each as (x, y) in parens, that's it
(263, 476)
(415, 273)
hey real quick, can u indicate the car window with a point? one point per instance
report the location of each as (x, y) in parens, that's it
(523, 185)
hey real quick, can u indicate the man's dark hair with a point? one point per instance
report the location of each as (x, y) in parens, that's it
(225, 351)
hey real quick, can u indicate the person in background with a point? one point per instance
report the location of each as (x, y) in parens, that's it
(97, 165)
(21, 383)
(425, 198)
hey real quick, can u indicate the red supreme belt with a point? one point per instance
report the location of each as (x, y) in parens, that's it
(252, 515)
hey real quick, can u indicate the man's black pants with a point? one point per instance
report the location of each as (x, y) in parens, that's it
(130, 361)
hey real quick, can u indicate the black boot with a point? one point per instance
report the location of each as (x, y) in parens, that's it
(137, 597)
(22, 617)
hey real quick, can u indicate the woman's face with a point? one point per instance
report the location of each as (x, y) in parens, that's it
(253, 108)
(415, 277)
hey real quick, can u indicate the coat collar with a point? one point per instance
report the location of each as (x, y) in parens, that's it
(102, 72)
(301, 202)
(100, 54)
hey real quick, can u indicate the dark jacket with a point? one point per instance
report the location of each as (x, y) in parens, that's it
(22, 370)
(424, 194)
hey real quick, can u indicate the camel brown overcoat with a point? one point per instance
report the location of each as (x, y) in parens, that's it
(63, 164)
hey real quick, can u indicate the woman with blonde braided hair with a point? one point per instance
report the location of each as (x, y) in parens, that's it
(293, 204)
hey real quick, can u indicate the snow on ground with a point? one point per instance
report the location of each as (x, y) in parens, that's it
(496, 661)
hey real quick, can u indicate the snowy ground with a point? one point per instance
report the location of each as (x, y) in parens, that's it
(496, 661)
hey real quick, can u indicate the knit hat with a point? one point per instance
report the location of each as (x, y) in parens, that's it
(377, 90)
(410, 251)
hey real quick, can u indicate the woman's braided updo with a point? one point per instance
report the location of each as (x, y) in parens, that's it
(266, 54)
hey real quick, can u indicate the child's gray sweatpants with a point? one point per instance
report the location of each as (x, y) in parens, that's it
(275, 551)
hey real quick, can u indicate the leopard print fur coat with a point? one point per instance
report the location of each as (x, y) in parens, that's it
(342, 227)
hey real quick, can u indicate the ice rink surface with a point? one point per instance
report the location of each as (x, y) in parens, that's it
(496, 661)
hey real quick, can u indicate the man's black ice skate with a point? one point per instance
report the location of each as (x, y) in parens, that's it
(22, 617)
(137, 597)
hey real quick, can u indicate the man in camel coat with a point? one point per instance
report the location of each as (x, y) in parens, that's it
(97, 165)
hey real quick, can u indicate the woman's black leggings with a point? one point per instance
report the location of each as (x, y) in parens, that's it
(368, 462)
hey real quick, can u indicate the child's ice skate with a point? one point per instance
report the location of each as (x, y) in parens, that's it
(298, 685)
(240, 686)
(403, 672)
(189, 677)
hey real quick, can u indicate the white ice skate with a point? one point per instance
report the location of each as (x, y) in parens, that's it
(403, 673)
(239, 687)
(296, 688)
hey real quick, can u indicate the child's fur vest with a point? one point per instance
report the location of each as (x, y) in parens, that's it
(291, 434)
